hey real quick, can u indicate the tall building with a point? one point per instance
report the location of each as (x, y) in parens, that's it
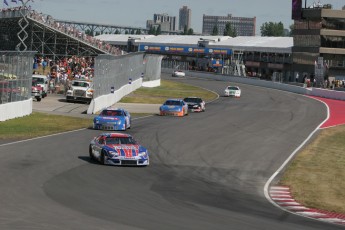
(319, 41)
(185, 18)
(167, 23)
(243, 26)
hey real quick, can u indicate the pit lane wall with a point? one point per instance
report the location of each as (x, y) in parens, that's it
(318, 92)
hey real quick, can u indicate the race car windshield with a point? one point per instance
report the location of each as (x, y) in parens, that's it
(112, 113)
(120, 140)
(196, 100)
(233, 88)
(172, 103)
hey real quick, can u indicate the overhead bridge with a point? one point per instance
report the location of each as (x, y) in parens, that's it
(97, 28)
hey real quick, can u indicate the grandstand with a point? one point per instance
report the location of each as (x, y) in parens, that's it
(46, 36)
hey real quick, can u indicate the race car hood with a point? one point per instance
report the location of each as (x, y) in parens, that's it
(109, 118)
(127, 151)
(171, 107)
(193, 103)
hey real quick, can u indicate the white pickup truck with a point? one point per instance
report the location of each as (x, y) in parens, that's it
(80, 91)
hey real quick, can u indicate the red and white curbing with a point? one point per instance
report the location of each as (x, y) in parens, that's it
(281, 196)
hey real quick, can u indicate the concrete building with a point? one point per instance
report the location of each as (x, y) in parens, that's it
(185, 18)
(243, 26)
(167, 23)
(319, 43)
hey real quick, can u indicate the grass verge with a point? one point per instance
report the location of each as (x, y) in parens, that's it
(316, 175)
(40, 124)
(167, 89)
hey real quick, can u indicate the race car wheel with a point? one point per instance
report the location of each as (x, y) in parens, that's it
(102, 160)
(90, 153)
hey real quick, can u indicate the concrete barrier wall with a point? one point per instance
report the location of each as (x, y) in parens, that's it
(15, 109)
(151, 84)
(326, 93)
(107, 100)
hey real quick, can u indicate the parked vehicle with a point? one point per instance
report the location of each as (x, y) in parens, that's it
(81, 90)
(36, 91)
(42, 81)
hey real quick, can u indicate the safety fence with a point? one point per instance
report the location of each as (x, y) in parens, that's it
(117, 76)
(310, 91)
(15, 76)
(113, 72)
(15, 83)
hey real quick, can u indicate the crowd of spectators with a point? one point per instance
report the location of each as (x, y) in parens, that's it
(74, 32)
(60, 73)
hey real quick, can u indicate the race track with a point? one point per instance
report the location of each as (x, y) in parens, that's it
(207, 170)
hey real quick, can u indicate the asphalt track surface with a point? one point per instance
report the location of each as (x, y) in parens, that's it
(207, 170)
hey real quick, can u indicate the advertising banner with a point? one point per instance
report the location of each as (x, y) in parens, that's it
(184, 50)
(296, 9)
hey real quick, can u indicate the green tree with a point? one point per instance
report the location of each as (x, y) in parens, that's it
(152, 30)
(185, 30)
(117, 31)
(138, 32)
(88, 32)
(159, 30)
(291, 30)
(126, 32)
(229, 30)
(272, 29)
(215, 30)
(190, 31)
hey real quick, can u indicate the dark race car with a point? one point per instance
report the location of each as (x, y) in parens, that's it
(195, 104)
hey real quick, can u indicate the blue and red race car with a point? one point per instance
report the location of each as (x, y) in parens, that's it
(118, 149)
(112, 119)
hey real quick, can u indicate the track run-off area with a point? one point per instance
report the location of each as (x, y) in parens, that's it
(207, 170)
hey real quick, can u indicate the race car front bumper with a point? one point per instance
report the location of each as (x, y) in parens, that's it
(128, 162)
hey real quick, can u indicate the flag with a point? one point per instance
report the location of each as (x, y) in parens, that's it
(6, 3)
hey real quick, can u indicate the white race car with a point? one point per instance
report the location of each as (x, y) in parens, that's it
(232, 91)
(178, 73)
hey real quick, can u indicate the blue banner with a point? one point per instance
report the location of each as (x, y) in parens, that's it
(184, 50)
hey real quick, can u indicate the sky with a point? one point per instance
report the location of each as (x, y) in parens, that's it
(135, 13)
